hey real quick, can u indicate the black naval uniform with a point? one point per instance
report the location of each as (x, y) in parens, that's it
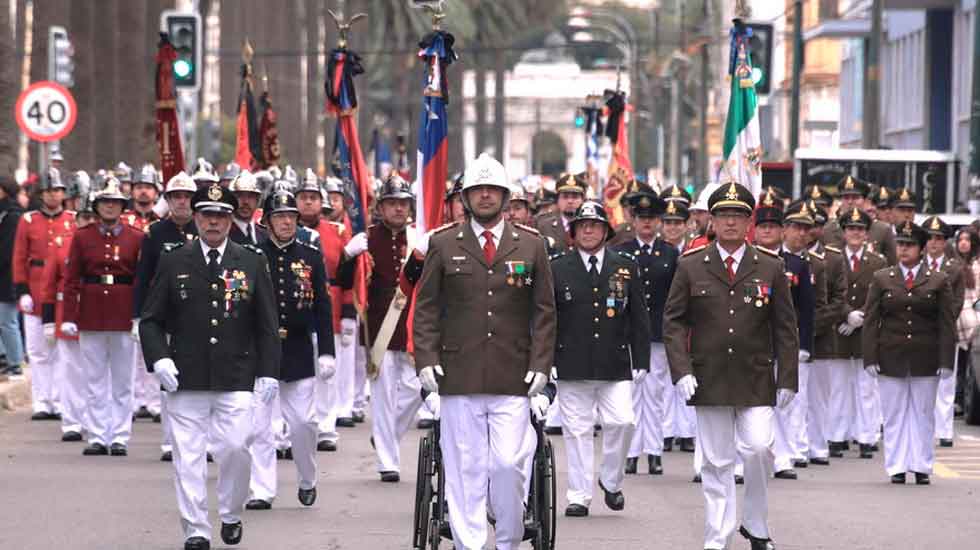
(603, 335)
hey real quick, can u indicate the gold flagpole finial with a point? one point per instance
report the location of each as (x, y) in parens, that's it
(344, 27)
(742, 9)
(247, 52)
(265, 77)
(438, 14)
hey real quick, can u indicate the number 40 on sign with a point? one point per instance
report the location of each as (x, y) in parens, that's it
(46, 111)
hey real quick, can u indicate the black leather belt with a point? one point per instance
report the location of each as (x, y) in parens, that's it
(37, 263)
(108, 280)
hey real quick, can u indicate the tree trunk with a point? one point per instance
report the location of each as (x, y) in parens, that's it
(499, 105)
(480, 81)
(9, 89)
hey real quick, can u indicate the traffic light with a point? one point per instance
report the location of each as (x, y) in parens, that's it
(184, 30)
(760, 50)
(579, 120)
(61, 67)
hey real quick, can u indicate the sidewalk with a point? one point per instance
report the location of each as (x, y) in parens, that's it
(15, 391)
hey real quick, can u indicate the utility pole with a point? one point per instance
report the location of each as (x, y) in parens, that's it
(700, 171)
(794, 105)
(677, 72)
(975, 127)
(872, 80)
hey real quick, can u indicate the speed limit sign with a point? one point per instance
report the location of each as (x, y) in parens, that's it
(46, 111)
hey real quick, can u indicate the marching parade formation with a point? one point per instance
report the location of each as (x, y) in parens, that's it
(259, 313)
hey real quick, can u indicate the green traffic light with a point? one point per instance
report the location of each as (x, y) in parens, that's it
(579, 121)
(690, 189)
(182, 68)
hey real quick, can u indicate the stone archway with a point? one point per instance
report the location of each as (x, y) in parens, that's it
(549, 153)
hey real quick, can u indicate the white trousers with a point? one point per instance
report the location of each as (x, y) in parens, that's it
(855, 407)
(227, 416)
(725, 433)
(108, 360)
(945, 403)
(297, 402)
(578, 401)
(395, 398)
(343, 379)
(909, 406)
(41, 358)
(790, 440)
(485, 447)
(325, 401)
(680, 420)
(649, 404)
(818, 408)
(70, 374)
(360, 378)
(146, 387)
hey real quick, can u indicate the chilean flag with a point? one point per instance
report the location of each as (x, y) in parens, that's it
(436, 52)
(342, 67)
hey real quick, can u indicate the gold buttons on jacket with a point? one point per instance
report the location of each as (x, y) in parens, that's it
(213, 340)
(214, 322)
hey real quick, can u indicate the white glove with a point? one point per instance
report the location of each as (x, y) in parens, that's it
(536, 382)
(872, 370)
(266, 389)
(135, 330)
(554, 373)
(166, 373)
(944, 373)
(845, 329)
(26, 303)
(428, 378)
(48, 332)
(687, 386)
(422, 244)
(539, 407)
(784, 397)
(69, 329)
(357, 245)
(804, 356)
(855, 318)
(434, 403)
(326, 367)
(639, 375)
(347, 328)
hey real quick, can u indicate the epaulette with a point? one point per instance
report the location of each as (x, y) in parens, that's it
(527, 228)
(27, 215)
(556, 255)
(445, 227)
(768, 251)
(254, 248)
(151, 224)
(340, 227)
(170, 247)
(694, 250)
(303, 243)
(71, 213)
(833, 249)
(626, 255)
(816, 255)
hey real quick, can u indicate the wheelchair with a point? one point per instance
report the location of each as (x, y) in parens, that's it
(431, 511)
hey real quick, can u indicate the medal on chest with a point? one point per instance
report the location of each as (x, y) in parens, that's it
(236, 287)
(517, 273)
(757, 293)
(304, 284)
(618, 289)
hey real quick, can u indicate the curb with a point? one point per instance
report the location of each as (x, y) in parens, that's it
(15, 392)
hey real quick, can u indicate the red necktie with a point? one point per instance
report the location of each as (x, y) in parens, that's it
(730, 264)
(909, 280)
(935, 265)
(489, 249)
(855, 263)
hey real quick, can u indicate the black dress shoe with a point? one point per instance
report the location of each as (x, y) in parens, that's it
(820, 461)
(552, 430)
(210, 458)
(687, 444)
(118, 449)
(898, 479)
(345, 422)
(157, 419)
(696, 478)
(654, 467)
(231, 533)
(576, 511)
(41, 415)
(71, 436)
(258, 504)
(739, 480)
(307, 496)
(668, 444)
(425, 423)
(874, 447)
(143, 413)
(287, 454)
(922, 479)
(846, 445)
(800, 464)
(756, 542)
(615, 501)
(357, 417)
(630, 465)
(945, 442)
(328, 446)
(95, 449)
(785, 474)
(866, 451)
(836, 449)
(279, 454)
(197, 543)
(390, 477)
(167, 456)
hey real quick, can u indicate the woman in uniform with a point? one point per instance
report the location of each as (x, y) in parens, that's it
(908, 340)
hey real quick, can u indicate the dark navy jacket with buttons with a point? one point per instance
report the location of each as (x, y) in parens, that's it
(657, 266)
(801, 287)
(603, 324)
(300, 283)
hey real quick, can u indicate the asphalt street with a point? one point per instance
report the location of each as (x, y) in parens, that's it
(51, 497)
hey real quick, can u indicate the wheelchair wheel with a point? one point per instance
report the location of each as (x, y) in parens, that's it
(423, 494)
(551, 511)
(544, 497)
